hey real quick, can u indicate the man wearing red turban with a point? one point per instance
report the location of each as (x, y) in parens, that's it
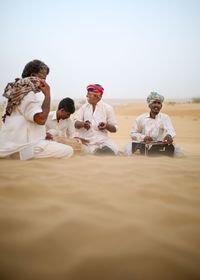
(94, 120)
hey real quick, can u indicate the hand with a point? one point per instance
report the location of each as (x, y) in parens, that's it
(83, 141)
(49, 136)
(102, 126)
(148, 139)
(45, 88)
(168, 139)
(87, 125)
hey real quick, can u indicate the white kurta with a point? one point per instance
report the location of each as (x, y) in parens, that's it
(21, 134)
(97, 138)
(155, 128)
(62, 128)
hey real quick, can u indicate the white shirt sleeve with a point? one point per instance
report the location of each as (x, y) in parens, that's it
(136, 130)
(30, 106)
(79, 116)
(169, 127)
(70, 131)
(111, 119)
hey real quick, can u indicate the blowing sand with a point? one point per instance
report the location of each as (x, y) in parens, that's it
(104, 218)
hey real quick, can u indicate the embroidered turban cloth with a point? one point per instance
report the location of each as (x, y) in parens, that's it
(154, 96)
(96, 88)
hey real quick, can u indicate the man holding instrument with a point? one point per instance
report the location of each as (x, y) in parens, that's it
(154, 127)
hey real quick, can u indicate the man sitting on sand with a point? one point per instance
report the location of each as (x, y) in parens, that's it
(60, 126)
(93, 121)
(153, 126)
(59, 122)
(23, 130)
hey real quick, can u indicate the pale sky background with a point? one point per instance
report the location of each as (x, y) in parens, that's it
(131, 47)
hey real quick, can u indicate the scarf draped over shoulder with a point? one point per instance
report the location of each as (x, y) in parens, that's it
(17, 90)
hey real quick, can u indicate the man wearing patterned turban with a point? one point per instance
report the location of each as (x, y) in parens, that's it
(154, 126)
(154, 96)
(94, 120)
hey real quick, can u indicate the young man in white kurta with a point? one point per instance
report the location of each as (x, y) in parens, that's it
(59, 122)
(64, 127)
(95, 116)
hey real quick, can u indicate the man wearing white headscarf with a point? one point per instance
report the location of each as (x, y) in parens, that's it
(153, 126)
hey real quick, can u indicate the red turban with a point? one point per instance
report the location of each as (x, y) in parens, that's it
(96, 88)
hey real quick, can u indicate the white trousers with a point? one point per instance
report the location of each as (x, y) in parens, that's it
(46, 148)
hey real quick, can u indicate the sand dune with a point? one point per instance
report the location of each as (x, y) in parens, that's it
(104, 218)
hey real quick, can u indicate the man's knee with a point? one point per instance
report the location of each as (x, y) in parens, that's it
(62, 150)
(67, 151)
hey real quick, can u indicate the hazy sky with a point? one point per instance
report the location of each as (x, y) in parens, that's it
(131, 47)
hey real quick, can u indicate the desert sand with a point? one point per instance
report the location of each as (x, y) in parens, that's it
(106, 217)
